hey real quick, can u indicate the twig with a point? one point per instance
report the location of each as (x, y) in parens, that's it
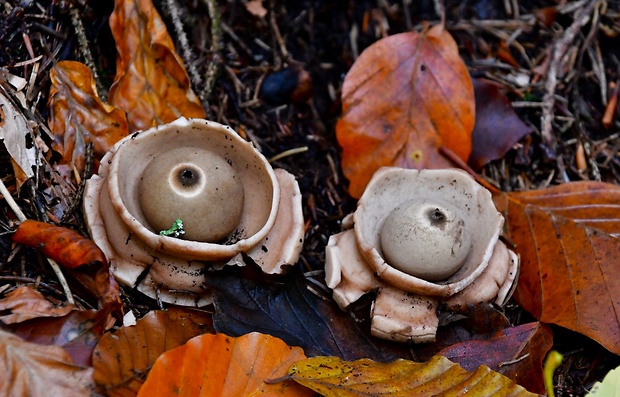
(40, 284)
(596, 58)
(559, 50)
(353, 36)
(188, 55)
(215, 66)
(88, 172)
(287, 153)
(440, 10)
(516, 360)
(22, 217)
(11, 202)
(62, 280)
(226, 29)
(78, 26)
(406, 5)
(515, 8)
(278, 36)
(450, 155)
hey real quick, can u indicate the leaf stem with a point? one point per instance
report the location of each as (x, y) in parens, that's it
(450, 155)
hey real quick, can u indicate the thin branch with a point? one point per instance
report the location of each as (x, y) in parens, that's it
(22, 217)
(215, 66)
(11, 202)
(559, 50)
(78, 26)
(188, 54)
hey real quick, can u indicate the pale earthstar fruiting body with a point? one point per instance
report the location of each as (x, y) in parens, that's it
(196, 186)
(418, 239)
(233, 206)
(425, 240)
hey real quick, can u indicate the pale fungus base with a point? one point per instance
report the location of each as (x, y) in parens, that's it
(419, 238)
(232, 203)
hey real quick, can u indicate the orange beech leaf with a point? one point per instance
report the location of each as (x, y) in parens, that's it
(568, 240)
(65, 246)
(123, 359)
(405, 97)
(25, 303)
(333, 377)
(151, 83)
(73, 251)
(220, 365)
(515, 352)
(78, 117)
(29, 369)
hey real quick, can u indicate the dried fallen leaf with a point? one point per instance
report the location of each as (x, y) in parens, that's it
(151, 83)
(28, 314)
(332, 376)
(405, 97)
(295, 314)
(497, 127)
(25, 303)
(568, 240)
(123, 359)
(13, 131)
(65, 246)
(516, 352)
(78, 332)
(219, 365)
(480, 322)
(72, 251)
(28, 369)
(78, 117)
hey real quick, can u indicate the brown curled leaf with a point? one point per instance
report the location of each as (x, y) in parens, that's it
(151, 83)
(79, 117)
(63, 245)
(75, 252)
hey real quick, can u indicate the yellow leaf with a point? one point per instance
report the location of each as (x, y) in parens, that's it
(151, 83)
(331, 376)
(610, 387)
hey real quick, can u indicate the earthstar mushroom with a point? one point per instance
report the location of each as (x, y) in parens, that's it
(231, 202)
(425, 240)
(420, 238)
(193, 185)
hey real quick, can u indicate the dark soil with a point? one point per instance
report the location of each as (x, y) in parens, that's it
(322, 39)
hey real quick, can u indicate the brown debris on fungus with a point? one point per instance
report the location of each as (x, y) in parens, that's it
(231, 203)
(420, 238)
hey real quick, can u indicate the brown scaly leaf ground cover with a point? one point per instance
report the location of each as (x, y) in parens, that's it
(556, 61)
